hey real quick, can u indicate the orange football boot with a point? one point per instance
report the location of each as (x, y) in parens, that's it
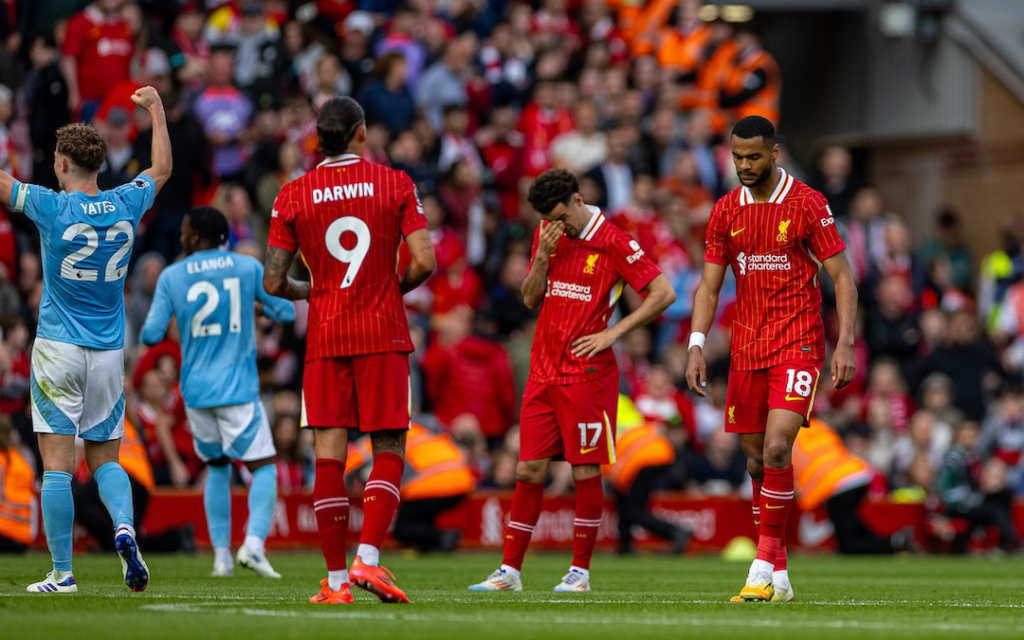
(326, 596)
(376, 580)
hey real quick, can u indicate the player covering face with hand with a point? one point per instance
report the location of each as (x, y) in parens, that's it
(773, 231)
(580, 263)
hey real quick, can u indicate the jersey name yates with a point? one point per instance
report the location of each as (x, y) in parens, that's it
(210, 265)
(97, 208)
(343, 192)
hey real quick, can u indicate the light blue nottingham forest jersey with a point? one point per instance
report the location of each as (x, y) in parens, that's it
(87, 242)
(213, 294)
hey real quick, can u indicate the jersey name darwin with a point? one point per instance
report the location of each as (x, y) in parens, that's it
(211, 264)
(343, 192)
(571, 290)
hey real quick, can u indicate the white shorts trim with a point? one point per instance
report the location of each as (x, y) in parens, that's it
(77, 391)
(238, 431)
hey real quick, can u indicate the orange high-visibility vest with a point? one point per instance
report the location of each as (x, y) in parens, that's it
(823, 466)
(682, 52)
(636, 449)
(712, 77)
(16, 481)
(435, 467)
(133, 457)
(765, 102)
(640, 25)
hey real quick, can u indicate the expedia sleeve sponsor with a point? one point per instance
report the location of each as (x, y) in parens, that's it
(570, 290)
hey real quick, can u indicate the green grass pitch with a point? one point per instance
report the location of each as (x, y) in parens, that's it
(642, 597)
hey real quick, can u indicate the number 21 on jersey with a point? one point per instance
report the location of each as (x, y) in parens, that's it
(206, 289)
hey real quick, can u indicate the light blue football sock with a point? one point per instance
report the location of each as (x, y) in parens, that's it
(116, 494)
(262, 500)
(58, 517)
(217, 500)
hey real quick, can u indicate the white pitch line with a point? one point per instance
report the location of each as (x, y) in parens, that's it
(583, 620)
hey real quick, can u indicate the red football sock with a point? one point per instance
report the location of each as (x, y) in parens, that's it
(755, 505)
(782, 558)
(776, 500)
(380, 497)
(589, 505)
(526, 502)
(330, 504)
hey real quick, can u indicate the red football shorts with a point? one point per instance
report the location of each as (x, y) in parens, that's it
(369, 392)
(751, 394)
(574, 421)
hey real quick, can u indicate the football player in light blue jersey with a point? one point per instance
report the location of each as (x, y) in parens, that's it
(213, 294)
(77, 383)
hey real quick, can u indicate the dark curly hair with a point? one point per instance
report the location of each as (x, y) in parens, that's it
(753, 127)
(336, 126)
(554, 186)
(209, 224)
(83, 144)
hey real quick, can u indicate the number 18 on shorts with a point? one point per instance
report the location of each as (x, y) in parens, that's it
(751, 394)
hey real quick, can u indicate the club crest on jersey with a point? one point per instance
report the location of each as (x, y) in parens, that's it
(591, 263)
(732, 414)
(783, 231)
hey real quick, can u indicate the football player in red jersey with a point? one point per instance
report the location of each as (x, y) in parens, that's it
(580, 261)
(348, 217)
(774, 232)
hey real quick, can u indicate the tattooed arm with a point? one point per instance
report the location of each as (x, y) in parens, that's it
(275, 276)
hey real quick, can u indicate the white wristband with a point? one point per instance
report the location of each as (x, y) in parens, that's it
(697, 340)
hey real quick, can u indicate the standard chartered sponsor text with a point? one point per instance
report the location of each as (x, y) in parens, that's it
(570, 290)
(768, 262)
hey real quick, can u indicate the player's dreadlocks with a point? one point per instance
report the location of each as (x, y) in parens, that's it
(83, 144)
(336, 126)
(209, 224)
(754, 126)
(551, 188)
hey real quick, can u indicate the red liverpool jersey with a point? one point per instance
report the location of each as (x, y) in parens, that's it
(585, 277)
(348, 217)
(774, 249)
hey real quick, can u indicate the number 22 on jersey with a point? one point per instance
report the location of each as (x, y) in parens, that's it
(69, 269)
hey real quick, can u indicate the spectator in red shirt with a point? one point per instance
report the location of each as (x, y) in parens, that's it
(541, 122)
(14, 366)
(466, 373)
(96, 56)
(501, 148)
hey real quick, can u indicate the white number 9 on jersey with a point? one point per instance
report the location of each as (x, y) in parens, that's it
(352, 257)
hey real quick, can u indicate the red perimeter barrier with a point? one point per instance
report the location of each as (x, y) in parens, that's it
(482, 517)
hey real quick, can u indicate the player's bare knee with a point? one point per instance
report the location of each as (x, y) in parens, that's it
(756, 469)
(532, 471)
(585, 471)
(777, 455)
(391, 441)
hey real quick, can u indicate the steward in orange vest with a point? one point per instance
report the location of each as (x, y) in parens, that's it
(17, 479)
(437, 478)
(643, 463)
(90, 512)
(753, 84)
(825, 472)
(713, 75)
